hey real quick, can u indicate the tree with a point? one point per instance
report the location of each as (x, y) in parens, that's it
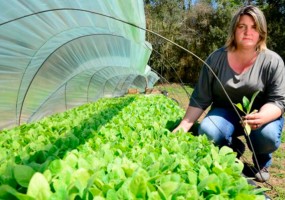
(201, 27)
(275, 16)
(165, 18)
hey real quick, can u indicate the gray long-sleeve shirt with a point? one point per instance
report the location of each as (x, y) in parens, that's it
(267, 75)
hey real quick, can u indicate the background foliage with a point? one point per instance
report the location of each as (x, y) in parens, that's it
(201, 26)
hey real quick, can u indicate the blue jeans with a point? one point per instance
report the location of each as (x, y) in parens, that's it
(222, 125)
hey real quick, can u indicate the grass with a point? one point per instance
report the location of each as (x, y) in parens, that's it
(277, 170)
(177, 92)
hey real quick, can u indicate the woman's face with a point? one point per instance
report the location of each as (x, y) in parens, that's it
(246, 34)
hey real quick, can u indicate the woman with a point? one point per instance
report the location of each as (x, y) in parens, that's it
(244, 66)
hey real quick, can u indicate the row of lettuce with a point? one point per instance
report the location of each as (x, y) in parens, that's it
(118, 148)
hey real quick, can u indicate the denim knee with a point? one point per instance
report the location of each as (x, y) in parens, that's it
(267, 139)
(211, 135)
(219, 125)
(265, 142)
(215, 133)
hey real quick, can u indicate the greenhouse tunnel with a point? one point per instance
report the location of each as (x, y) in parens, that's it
(56, 55)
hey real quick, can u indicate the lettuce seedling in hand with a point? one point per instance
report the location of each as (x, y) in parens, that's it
(245, 107)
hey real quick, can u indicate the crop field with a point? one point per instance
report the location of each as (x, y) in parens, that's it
(117, 148)
(276, 183)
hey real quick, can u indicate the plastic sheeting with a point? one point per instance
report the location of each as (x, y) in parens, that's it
(58, 54)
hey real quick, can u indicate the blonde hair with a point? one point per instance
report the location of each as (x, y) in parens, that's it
(260, 22)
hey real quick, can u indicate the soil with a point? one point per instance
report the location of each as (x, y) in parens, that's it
(277, 179)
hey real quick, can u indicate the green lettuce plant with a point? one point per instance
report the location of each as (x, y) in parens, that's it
(117, 148)
(245, 107)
